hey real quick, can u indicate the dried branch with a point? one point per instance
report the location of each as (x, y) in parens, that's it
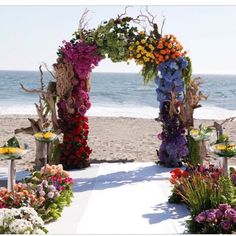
(50, 72)
(41, 78)
(119, 17)
(83, 22)
(162, 25)
(151, 20)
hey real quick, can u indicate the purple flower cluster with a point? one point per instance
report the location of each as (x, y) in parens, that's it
(46, 190)
(82, 56)
(169, 82)
(174, 144)
(219, 220)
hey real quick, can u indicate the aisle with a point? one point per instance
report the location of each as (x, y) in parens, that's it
(121, 198)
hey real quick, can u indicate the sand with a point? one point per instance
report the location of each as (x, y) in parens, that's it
(111, 138)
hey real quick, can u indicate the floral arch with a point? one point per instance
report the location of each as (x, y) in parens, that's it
(162, 59)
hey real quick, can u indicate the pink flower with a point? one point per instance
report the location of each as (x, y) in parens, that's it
(226, 225)
(82, 110)
(211, 217)
(42, 193)
(50, 195)
(200, 218)
(224, 206)
(230, 213)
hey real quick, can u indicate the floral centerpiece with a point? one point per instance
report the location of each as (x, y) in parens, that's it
(46, 136)
(12, 149)
(24, 220)
(201, 134)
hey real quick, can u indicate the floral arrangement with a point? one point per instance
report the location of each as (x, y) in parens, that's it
(162, 58)
(46, 136)
(12, 149)
(204, 133)
(168, 48)
(209, 195)
(22, 196)
(227, 149)
(24, 220)
(54, 186)
(218, 220)
(48, 191)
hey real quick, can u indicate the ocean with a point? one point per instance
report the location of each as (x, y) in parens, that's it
(119, 94)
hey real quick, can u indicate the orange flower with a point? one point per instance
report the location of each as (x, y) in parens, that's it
(25, 192)
(170, 45)
(163, 52)
(167, 57)
(160, 46)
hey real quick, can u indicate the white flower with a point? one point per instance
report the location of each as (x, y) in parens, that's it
(51, 194)
(51, 188)
(24, 220)
(38, 231)
(20, 226)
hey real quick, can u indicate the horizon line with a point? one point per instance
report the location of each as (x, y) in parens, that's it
(117, 72)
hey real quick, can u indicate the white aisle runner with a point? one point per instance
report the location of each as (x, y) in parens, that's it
(121, 198)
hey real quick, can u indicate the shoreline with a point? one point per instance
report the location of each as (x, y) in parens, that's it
(112, 139)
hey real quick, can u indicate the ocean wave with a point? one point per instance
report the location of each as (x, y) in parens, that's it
(205, 112)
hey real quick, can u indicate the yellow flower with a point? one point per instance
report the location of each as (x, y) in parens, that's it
(142, 32)
(138, 55)
(220, 147)
(38, 135)
(143, 41)
(194, 132)
(137, 43)
(10, 150)
(130, 48)
(151, 47)
(48, 135)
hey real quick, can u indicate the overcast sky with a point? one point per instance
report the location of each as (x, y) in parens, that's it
(30, 35)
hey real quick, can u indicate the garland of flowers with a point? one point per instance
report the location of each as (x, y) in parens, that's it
(161, 57)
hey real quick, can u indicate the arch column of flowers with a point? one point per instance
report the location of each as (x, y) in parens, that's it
(162, 59)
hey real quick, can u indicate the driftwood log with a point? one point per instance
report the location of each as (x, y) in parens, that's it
(46, 111)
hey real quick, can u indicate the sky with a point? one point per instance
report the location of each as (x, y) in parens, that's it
(30, 35)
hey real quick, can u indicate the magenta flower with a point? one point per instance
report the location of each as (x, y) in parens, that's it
(224, 206)
(218, 214)
(226, 225)
(211, 217)
(230, 213)
(82, 110)
(200, 218)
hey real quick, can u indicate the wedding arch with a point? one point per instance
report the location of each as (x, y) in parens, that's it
(121, 39)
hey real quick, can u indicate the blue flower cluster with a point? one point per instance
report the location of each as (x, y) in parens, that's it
(169, 79)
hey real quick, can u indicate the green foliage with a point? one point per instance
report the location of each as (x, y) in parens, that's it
(175, 198)
(224, 138)
(54, 152)
(187, 73)
(12, 142)
(149, 72)
(202, 193)
(193, 147)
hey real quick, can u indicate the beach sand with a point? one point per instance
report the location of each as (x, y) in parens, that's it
(111, 138)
